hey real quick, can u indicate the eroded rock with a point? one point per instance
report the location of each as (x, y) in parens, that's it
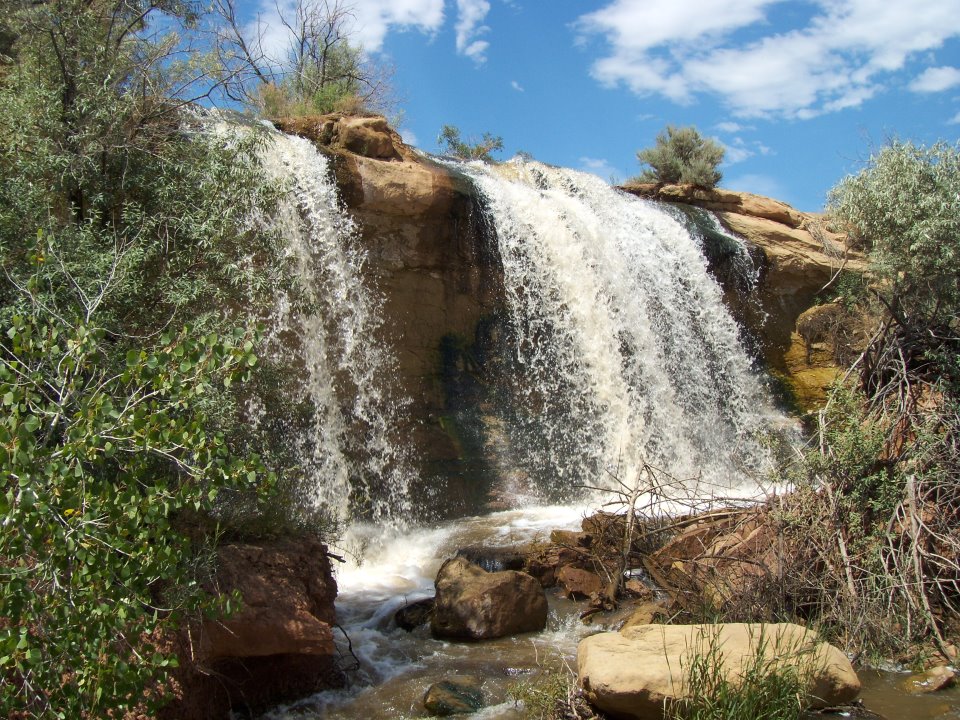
(412, 616)
(277, 647)
(472, 604)
(633, 673)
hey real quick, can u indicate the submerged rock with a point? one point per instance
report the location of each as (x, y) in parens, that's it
(473, 604)
(932, 680)
(459, 696)
(412, 616)
(633, 673)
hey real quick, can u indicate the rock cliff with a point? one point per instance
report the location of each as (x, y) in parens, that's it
(434, 260)
(801, 256)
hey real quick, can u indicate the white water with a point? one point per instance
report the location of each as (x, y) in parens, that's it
(330, 326)
(622, 354)
(626, 353)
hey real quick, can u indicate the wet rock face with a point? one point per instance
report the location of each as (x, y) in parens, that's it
(472, 604)
(635, 672)
(412, 616)
(277, 647)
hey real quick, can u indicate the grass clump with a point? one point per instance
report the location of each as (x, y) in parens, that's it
(770, 685)
(552, 694)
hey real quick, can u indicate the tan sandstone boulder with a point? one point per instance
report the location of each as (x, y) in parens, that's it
(633, 673)
(473, 604)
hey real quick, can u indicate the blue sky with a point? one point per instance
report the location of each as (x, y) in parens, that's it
(798, 91)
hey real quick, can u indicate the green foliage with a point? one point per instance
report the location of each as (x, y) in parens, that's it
(682, 155)
(849, 459)
(768, 688)
(101, 464)
(129, 256)
(452, 144)
(551, 694)
(315, 90)
(904, 208)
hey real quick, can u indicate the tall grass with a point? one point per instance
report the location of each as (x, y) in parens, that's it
(770, 685)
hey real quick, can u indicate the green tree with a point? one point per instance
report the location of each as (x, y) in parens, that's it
(451, 143)
(682, 155)
(319, 70)
(102, 467)
(904, 209)
(128, 258)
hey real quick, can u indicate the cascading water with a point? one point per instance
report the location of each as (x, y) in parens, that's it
(623, 353)
(619, 353)
(331, 325)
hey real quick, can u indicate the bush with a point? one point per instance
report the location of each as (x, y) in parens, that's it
(904, 208)
(451, 144)
(102, 467)
(682, 155)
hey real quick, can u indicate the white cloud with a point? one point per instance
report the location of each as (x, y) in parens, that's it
(599, 167)
(735, 152)
(955, 120)
(370, 22)
(936, 79)
(835, 60)
(409, 137)
(731, 127)
(470, 17)
(516, 86)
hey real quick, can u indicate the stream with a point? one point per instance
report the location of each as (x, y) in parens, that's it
(396, 667)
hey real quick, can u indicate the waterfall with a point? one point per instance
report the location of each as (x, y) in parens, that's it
(622, 354)
(330, 326)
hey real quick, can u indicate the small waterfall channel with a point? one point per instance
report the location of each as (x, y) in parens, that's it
(329, 326)
(617, 356)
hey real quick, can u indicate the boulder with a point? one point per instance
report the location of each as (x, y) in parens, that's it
(633, 673)
(458, 696)
(473, 604)
(278, 646)
(932, 680)
(412, 616)
(579, 584)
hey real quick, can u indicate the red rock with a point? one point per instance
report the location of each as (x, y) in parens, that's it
(579, 584)
(472, 604)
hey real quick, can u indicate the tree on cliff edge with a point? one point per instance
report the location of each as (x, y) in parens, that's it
(682, 155)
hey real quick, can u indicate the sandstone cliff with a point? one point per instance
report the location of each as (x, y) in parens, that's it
(434, 260)
(801, 256)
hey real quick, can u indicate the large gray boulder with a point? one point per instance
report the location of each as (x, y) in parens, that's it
(473, 604)
(635, 672)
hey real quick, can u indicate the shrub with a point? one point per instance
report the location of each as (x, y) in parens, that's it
(451, 143)
(102, 466)
(682, 155)
(904, 208)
